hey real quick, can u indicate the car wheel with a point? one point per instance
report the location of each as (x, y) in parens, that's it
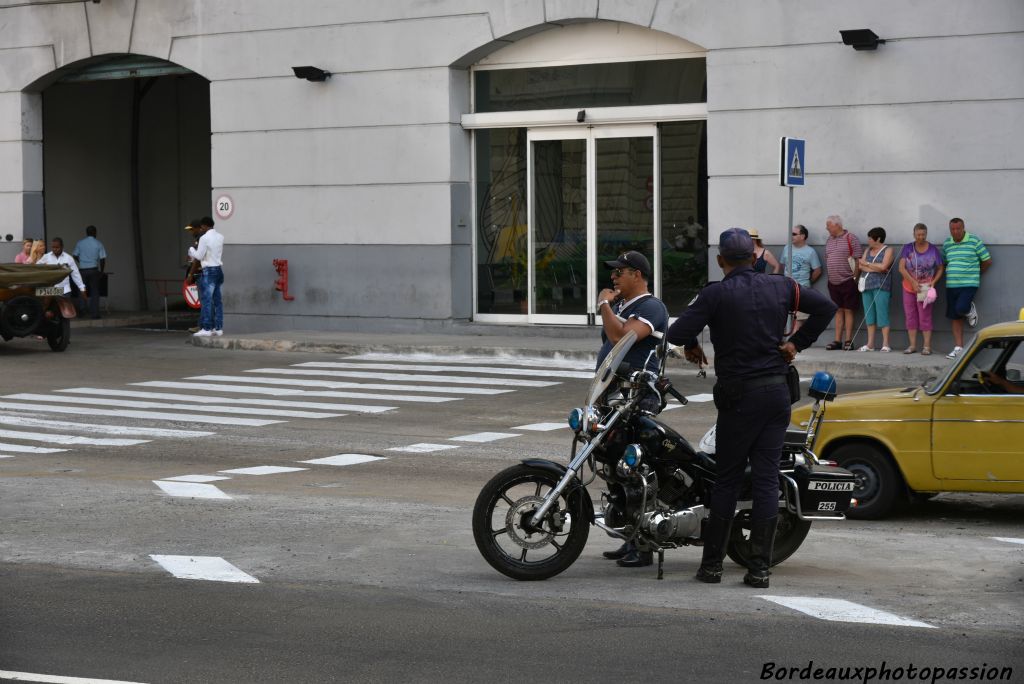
(878, 484)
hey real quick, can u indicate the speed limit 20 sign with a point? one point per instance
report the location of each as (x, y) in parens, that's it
(224, 207)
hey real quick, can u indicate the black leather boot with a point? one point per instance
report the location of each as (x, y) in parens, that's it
(762, 542)
(716, 537)
(620, 552)
(636, 558)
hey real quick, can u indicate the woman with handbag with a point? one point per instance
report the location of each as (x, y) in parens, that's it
(874, 285)
(921, 267)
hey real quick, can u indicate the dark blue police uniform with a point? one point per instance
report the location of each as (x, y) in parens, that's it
(747, 314)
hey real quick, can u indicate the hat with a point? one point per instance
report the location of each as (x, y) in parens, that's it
(631, 259)
(754, 235)
(735, 244)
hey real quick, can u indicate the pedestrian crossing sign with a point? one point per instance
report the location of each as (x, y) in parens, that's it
(792, 167)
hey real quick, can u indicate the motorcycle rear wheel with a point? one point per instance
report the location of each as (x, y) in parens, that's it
(503, 508)
(789, 535)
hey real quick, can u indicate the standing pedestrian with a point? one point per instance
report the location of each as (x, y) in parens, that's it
(747, 314)
(874, 266)
(57, 256)
(26, 250)
(966, 259)
(92, 261)
(194, 270)
(921, 268)
(763, 257)
(209, 253)
(842, 250)
(806, 265)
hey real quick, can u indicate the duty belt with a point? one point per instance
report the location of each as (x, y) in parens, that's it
(763, 381)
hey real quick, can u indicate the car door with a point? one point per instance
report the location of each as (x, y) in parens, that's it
(978, 427)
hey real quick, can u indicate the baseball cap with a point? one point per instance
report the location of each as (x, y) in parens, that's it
(631, 259)
(735, 244)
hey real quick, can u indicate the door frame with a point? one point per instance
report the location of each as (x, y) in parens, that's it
(589, 134)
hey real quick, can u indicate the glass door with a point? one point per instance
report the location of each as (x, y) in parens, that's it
(592, 193)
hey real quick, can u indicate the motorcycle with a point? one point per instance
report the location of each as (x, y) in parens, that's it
(531, 521)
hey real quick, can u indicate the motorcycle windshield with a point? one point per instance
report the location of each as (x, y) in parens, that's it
(606, 371)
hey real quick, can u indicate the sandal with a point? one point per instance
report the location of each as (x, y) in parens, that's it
(867, 348)
(832, 346)
(886, 349)
(847, 346)
(912, 350)
(926, 351)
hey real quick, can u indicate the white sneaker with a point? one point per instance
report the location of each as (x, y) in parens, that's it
(972, 316)
(218, 333)
(955, 353)
(203, 333)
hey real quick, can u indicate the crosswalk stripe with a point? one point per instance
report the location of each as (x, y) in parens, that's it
(176, 407)
(211, 568)
(840, 610)
(541, 427)
(441, 368)
(20, 449)
(424, 448)
(338, 384)
(262, 470)
(192, 490)
(409, 377)
(6, 675)
(280, 391)
(700, 398)
(481, 437)
(68, 439)
(229, 400)
(540, 362)
(99, 428)
(1009, 540)
(153, 415)
(344, 459)
(199, 479)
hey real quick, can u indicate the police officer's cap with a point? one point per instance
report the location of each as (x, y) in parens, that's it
(631, 259)
(735, 244)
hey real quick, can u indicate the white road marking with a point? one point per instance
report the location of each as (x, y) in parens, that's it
(1009, 540)
(409, 377)
(195, 478)
(283, 392)
(481, 437)
(839, 610)
(211, 568)
(439, 368)
(262, 470)
(339, 384)
(18, 448)
(56, 679)
(672, 407)
(345, 459)
(540, 362)
(193, 490)
(98, 428)
(6, 455)
(238, 410)
(542, 427)
(701, 398)
(68, 439)
(424, 448)
(153, 415)
(285, 404)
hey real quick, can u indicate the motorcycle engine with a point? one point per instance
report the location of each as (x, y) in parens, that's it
(674, 526)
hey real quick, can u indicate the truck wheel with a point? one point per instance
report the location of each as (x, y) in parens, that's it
(878, 483)
(59, 335)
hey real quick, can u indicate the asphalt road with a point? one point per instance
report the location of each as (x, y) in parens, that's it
(368, 571)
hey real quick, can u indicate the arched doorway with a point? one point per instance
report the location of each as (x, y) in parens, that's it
(589, 140)
(126, 147)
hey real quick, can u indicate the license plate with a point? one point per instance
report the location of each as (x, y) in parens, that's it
(49, 291)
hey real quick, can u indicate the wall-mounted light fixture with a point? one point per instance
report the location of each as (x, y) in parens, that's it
(861, 39)
(581, 116)
(311, 73)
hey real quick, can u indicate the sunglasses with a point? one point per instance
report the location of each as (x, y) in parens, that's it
(619, 271)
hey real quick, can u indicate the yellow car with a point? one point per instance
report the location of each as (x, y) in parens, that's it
(960, 432)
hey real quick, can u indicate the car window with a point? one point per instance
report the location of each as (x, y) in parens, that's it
(1015, 365)
(989, 357)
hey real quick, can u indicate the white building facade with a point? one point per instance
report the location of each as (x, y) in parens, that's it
(477, 160)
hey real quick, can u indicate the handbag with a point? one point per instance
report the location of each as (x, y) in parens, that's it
(850, 260)
(862, 282)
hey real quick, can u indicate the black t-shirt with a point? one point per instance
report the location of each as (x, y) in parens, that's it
(646, 309)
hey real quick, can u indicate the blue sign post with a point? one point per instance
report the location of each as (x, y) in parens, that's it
(792, 171)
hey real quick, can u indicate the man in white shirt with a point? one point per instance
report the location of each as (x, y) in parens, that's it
(57, 256)
(209, 253)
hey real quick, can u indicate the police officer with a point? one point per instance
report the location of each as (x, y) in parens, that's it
(628, 305)
(747, 313)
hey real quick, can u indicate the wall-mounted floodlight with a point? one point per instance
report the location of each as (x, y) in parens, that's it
(581, 116)
(311, 73)
(861, 39)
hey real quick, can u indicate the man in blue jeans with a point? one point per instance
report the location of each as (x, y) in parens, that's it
(209, 253)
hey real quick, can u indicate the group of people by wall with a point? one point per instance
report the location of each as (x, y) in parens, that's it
(87, 263)
(860, 276)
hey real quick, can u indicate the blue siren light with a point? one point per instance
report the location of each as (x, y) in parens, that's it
(576, 419)
(631, 456)
(823, 386)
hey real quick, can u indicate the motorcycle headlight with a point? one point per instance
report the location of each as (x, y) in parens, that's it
(576, 419)
(632, 456)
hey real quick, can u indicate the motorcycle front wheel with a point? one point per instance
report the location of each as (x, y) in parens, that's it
(504, 536)
(789, 535)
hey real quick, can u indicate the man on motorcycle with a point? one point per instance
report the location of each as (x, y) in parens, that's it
(747, 314)
(628, 305)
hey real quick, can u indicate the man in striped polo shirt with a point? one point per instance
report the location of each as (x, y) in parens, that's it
(966, 259)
